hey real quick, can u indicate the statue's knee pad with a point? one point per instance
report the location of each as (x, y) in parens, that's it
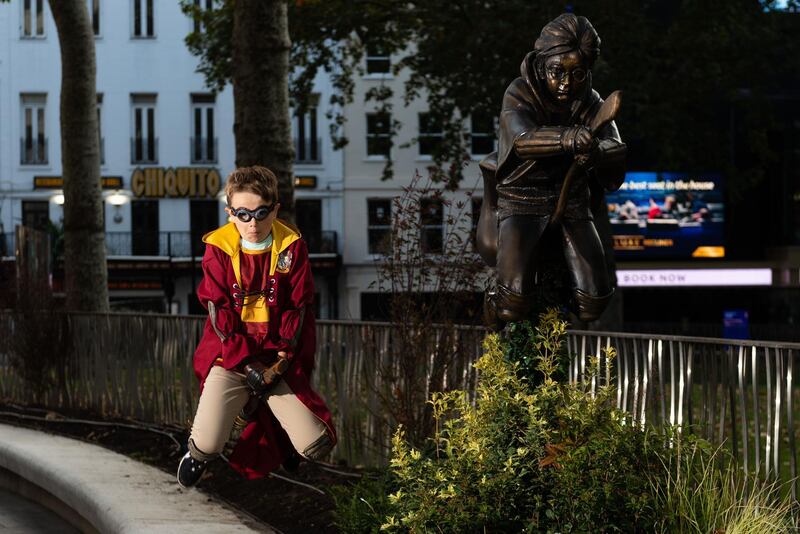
(319, 448)
(590, 307)
(512, 306)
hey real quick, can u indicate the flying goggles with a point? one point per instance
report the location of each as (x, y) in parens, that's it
(244, 214)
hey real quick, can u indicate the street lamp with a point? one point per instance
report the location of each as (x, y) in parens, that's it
(117, 199)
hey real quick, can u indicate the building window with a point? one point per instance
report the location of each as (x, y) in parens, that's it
(430, 134)
(203, 142)
(101, 143)
(143, 23)
(378, 61)
(432, 212)
(378, 134)
(94, 11)
(482, 135)
(33, 145)
(379, 224)
(33, 18)
(201, 5)
(477, 203)
(307, 141)
(144, 143)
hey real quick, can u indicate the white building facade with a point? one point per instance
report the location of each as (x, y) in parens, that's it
(368, 207)
(166, 146)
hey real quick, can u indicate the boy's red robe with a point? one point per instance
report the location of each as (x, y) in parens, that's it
(287, 290)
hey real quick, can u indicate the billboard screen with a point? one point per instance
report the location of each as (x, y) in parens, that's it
(668, 215)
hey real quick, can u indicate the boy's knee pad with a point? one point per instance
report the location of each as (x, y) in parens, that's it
(198, 454)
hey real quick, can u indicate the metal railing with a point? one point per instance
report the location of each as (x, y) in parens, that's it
(178, 244)
(307, 150)
(203, 149)
(322, 242)
(740, 393)
(144, 150)
(172, 244)
(33, 151)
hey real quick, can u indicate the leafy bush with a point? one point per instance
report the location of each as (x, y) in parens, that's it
(553, 458)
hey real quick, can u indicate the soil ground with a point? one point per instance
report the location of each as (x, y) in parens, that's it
(288, 507)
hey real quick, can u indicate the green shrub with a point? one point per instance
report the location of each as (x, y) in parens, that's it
(549, 458)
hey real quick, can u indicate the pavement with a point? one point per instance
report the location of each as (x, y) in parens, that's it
(97, 490)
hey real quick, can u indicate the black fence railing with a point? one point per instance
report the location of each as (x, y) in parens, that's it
(144, 150)
(179, 244)
(33, 151)
(172, 244)
(324, 242)
(203, 149)
(307, 150)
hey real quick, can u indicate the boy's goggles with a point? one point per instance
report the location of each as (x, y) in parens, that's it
(244, 214)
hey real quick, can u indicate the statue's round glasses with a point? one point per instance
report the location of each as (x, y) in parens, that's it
(245, 215)
(559, 73)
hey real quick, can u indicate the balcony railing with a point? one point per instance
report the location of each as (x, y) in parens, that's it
(179, 244)
(172, 244)
(323, 242)
(33, 151)
(307, 151)
(203, 149)
(144, 150)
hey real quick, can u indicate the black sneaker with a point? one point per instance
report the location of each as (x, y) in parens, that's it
(190, 471)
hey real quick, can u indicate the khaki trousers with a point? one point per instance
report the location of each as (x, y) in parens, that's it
(225, 394)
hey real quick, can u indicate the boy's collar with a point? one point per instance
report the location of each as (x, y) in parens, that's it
(228, 240)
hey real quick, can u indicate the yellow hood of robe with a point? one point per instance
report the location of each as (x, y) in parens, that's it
(227, 239)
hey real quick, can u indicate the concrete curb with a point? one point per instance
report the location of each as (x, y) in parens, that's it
(113, 492)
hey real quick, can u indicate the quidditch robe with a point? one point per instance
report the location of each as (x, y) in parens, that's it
(529, 181)
(274, 314)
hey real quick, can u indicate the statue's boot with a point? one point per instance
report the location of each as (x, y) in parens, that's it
(512, 306)
(490, 318)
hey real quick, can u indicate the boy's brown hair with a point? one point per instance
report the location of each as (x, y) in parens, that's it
(256, 179)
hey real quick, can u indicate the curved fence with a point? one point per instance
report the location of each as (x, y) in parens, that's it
(741, 393)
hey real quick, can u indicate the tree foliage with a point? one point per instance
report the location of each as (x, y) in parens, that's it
(685, 67)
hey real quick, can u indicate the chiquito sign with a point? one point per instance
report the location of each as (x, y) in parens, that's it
(180, 182)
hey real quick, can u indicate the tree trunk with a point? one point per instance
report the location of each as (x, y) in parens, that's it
(261, 92)
(85, 272)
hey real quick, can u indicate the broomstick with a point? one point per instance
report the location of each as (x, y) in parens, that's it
(604, 116)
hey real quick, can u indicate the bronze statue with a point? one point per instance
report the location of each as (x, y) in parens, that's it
(556, 136)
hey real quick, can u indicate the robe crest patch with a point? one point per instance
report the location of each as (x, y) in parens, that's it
(284, 262)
